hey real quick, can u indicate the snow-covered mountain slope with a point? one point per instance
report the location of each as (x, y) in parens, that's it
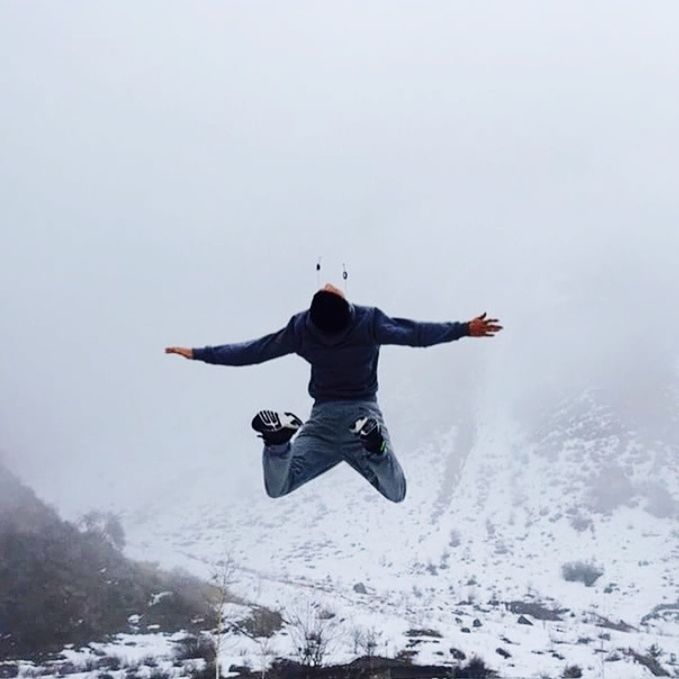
(494, 512)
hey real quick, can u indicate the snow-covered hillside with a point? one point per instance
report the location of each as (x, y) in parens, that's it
(494, 512)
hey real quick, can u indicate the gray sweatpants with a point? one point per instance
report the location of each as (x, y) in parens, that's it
(323, 442)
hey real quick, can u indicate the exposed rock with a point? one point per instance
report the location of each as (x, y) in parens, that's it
(523, 620)
(536, 610)
(414, 633)
(651, 663)
(620, 626)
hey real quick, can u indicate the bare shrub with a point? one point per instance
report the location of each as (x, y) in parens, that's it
(579, 571)
(110, 662)
(366, 641)
(223, 576)
(159, 674)
(313, 633)
(105, 524)
(206, 671)
(193, 647)
(262, 622)
(654, 651)
(476, 668)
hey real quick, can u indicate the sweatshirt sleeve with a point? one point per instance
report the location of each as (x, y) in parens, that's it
(415, 333)
(252, 352)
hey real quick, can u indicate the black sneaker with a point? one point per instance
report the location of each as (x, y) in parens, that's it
(276, 428)
(369, 430)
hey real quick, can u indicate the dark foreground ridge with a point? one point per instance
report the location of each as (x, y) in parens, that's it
(62, 585)
(375, 668)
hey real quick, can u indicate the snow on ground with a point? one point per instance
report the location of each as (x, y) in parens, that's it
(145, 653)
(490, 518)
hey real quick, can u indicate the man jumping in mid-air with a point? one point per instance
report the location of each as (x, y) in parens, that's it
(341, 341)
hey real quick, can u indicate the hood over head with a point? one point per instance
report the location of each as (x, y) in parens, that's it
(330, 313)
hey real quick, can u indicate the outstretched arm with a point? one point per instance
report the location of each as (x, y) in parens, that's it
(421, 334)
(244, 353)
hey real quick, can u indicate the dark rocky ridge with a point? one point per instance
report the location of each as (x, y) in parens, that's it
(59, 585)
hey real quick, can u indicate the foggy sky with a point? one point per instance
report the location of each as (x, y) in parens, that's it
(170, 173)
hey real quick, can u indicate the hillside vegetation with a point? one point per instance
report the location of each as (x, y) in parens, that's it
(63, 585)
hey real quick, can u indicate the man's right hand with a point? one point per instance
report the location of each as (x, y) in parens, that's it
(186, 353)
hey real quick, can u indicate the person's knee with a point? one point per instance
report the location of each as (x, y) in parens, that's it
(275, 493)
(398, 496)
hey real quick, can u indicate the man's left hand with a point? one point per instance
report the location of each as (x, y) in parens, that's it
(484, 327)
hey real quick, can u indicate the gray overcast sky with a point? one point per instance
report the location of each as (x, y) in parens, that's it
(169, 173)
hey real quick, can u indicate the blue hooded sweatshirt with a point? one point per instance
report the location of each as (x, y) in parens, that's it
(343, 365)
